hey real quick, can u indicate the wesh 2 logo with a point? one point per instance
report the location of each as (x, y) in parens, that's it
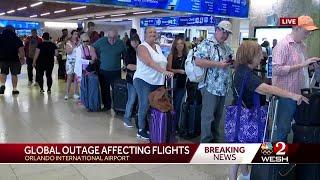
(276, 153)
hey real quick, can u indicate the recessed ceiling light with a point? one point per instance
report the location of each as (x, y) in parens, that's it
(33, 16)
(142, 12)
(116, 20)
(60, 11)
(3, 13)
(11, 11)
(80, 7)
(22, 8)
(82, 19)
(117, 15)
(99, 17)
(45, 14)
(36, 4)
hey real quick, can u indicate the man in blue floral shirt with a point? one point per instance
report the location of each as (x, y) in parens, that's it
(214, 55)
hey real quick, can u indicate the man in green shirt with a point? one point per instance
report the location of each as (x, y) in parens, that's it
(110, 50)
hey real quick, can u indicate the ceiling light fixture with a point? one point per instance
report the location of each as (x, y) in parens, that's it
(60, 11)
(3, 13)
(142, 12)
(116, 20)
(22, 8)
(117, 15)
(45, 14)
(11, 11)
(100, 17)
(36, 4)
(80, 7)
(82, 19)
(33, 16)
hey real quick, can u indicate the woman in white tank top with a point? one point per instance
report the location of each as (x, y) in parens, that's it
(150, 74)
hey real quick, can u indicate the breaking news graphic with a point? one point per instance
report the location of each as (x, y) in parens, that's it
(267, 153)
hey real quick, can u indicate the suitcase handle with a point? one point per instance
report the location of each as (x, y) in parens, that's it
(169, 86)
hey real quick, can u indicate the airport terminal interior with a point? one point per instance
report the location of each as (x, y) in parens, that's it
(35, 117)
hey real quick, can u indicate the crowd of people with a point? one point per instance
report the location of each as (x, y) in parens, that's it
(147, 69)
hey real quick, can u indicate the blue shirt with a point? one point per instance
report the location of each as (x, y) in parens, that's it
(217, 80)
(109, 55)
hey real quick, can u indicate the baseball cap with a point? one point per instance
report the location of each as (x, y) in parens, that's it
(225, 25)
(307, 23)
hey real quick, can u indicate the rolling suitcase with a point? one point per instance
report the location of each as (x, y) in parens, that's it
(309, 114)
(190, 116)
(120, 96)
(162, 125)
(90, 92)
(273, 171)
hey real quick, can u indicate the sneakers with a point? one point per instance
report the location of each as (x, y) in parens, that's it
(143, 134)
(66, 97)
(41, 91)
(49, 91)
(2, 88)
(29, 83)
(76, 96)
(15, 92)
(128, 124)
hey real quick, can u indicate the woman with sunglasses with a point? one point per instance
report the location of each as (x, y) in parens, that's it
(85, 54)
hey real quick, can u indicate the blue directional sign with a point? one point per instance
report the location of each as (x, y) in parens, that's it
(20, 24)
(181, 21)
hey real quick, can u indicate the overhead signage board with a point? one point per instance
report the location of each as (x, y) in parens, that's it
(232, 8)
(181, 21)
(20, 24)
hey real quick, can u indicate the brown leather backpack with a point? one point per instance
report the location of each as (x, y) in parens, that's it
(160, 100)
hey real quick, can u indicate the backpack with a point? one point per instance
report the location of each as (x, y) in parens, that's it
(194, 72)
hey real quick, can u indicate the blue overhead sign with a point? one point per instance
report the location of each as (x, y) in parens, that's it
(232, 8)
(181, 21)
(20, 24)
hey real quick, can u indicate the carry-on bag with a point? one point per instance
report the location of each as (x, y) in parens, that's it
(190, 114)
(162, 124)
(120, 96)
(90, 92)
(309, 114)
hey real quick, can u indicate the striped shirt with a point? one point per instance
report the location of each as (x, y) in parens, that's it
(286, 54)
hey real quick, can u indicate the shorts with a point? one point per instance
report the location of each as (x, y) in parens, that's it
(13, 67)
(70, 66)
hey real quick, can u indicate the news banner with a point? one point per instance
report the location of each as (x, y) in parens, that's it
(265, 153)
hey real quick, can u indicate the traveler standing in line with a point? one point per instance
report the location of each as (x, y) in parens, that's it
(110, 50)
(176, 60)
(131, 64)
(248, 57)
(62, 57)
(44, 61)
(12, 56)
(71, 46)
(93, 35)
(150, 75)
(290, 71)
(85, 55)
(31, 44)
(213, 55)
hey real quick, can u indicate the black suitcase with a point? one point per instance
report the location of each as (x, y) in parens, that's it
(307, 134)
(273, 171)
(120, 96)
(309, 114)
(190, 120)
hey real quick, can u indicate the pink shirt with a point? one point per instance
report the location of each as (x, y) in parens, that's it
(288, 53)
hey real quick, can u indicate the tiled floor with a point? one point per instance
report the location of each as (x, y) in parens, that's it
(31, 117)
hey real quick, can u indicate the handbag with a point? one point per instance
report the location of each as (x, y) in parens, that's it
(245, 125)
(160, 100)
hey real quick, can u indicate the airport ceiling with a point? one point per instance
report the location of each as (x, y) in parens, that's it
(66, 11)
